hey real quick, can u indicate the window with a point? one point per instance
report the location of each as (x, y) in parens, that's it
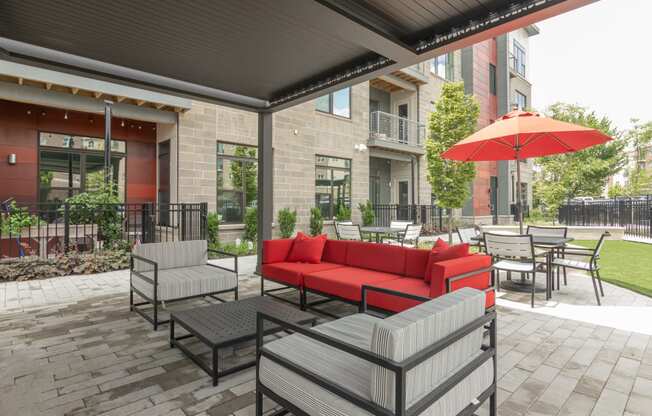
(519, 58)
(520, 100)
(237, 181)
(332, 184)
(492, 79)
(69, 165)
(444, 66)
(337, 103)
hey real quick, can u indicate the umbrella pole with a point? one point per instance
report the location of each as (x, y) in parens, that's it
(519, 208)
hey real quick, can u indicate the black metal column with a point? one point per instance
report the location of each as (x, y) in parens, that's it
(107, 141)
(265, 182)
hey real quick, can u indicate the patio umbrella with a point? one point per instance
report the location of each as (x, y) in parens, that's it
(521, 135)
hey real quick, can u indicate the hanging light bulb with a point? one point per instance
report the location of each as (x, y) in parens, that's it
(43, 113)
(122, 123)
(29, 112)
(65, 115)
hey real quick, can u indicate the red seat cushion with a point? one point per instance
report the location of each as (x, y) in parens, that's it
(335, 251)
(379, 257)
(450, 253)
(292, 273)
(275, 251)
(412, 286)
(345, 282)
(307, 249)
(490, 299)
(439, 246)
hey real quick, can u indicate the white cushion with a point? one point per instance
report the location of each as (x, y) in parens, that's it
(185, 282)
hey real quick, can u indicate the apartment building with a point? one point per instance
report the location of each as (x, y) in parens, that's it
(365, 142)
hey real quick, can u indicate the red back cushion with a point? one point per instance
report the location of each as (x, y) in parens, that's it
(335, 251)
(276, 251)
(416, 262)
(307, 249)
(379, 257)
(449, 253)
(440, 245)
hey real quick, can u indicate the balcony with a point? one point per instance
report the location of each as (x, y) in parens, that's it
(417, 74)
(391, 132)
(516, 69)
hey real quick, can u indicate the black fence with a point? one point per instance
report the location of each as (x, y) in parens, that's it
(632, 213)
(51, 228)
(430, 216)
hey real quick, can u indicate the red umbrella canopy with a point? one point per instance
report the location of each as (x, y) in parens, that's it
(522, 135)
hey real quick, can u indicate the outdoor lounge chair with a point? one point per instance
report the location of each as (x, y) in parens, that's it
(408, 238)
(427, 360)
(590, 266)
(348, 232)
(561, 232)
(171, 271)
(470, 236)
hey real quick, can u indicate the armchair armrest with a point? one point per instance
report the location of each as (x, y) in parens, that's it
(460, 277)
(366, 288)
(468, 271)
(235, 260)
(139, 274)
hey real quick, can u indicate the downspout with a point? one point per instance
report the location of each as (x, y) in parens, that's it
(178, 139)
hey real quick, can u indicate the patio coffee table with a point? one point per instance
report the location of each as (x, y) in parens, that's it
(226, 324)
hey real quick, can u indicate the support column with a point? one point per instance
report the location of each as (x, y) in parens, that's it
(265, 182)
(107, 141)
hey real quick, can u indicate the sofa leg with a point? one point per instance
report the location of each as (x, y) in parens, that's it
(262, 286)
(493, 404)
(131, 300)
(235, 294)
(155, 315)
(259, 401)
(302, 299)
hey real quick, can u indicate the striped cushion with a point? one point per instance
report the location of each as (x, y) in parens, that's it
(405, 334)
(346, 371)
(171, 254)
(185, 282)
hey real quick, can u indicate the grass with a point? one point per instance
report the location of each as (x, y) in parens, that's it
(625, 264)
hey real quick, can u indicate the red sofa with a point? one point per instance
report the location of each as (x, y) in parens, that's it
(348, 266)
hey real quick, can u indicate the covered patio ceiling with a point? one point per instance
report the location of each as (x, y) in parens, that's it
(262, 56)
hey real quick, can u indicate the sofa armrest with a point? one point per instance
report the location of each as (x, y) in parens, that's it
(235, 260)
(366, 288)
(275, 251)
(452, 274)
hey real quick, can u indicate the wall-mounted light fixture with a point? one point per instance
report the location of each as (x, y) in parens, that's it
(11, 158)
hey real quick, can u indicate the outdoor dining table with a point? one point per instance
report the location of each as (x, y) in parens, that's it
(379, 231)
(550, 245)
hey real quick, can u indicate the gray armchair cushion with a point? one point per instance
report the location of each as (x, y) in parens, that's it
(171, 255)
(185, 282)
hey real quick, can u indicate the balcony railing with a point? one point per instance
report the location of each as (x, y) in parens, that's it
(391, 128)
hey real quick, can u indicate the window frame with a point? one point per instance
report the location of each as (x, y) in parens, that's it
(520, 57)
(493, 80)
(331, 101)
(519, 94)
(233, 158)
(333, 200)
(448, 64)
(82, 153)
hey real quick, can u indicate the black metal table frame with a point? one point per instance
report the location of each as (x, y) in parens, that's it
(378, 232)
(213, 369)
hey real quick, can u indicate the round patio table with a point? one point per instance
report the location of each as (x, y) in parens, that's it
(550, 245)
(378, 231)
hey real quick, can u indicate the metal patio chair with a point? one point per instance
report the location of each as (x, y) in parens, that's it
(470, 236)
(561, 232)
(513, 253)
(348, 232)
(408, 238)
(590, 266)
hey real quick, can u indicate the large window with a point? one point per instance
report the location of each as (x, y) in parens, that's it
(237, 181)
(520, 100)
(519, 58)
(337, 103)
(332, 184)
(69, 165)
(492, 79)
(444, 66)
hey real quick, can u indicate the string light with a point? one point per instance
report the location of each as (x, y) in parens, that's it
(65, 115)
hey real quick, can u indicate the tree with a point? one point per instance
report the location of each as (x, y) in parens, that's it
(455, 118)
(639, 137)
(582, 173)
(245, 173)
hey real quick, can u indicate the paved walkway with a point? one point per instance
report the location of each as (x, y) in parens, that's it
(72, 347)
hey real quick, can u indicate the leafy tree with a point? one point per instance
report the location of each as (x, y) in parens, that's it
(343, 213)
(455, 118)
(213, 227)
(251, 224)
(316, 222)
(245, 173)
(616, 190)
(639, 138)
(582, 173)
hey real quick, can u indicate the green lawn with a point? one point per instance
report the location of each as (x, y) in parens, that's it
(625, 264)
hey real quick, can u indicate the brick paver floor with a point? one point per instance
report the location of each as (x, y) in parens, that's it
(86, 354)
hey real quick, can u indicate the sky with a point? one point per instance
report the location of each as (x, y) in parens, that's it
(598, 56)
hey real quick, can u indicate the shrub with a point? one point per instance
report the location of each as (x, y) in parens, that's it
(16, 220)
(213, 225)
(287, 221)
(367, 212)
(251, 224)
(239, 248)
(316, 222)
(343, 213)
